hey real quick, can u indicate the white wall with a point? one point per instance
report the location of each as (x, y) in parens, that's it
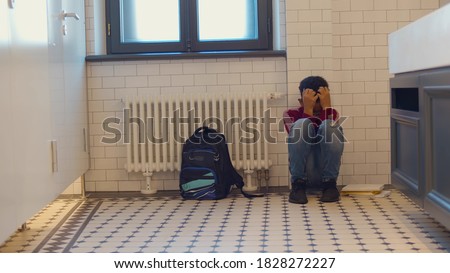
(343, 40)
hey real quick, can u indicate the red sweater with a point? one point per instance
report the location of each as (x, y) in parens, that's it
(292, 115)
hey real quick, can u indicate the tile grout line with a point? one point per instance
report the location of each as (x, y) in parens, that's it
(205, 220)
(330, 226)
(154, 234)
(265, 226)
(416, 224)
(373, 225)
(350, 223)
(393, 223)
(307, 220)
(243, 226)
(286, 224)
(224, 224)
(118, 214)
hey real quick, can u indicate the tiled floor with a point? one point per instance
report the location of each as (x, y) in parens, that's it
(168, 224)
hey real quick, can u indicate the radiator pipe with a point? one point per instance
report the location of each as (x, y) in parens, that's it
(267, 177)
(248, 183)
(259, 177)
(148, 187)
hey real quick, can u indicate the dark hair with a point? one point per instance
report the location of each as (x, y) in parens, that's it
(312, 82)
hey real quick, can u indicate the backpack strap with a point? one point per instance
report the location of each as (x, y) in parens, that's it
(204, 130)
(239, 183)
(251, 195)
(240, 186)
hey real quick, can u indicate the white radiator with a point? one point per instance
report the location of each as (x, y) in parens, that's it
(158, 126)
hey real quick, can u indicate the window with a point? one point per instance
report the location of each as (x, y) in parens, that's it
(157, 26)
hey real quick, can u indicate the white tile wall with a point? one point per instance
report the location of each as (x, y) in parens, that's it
(343, 40)
(359, 70)
(114, 81)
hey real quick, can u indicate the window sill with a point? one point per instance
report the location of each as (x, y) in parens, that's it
(186, 55)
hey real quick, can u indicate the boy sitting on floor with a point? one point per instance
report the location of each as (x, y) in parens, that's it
(314, 154)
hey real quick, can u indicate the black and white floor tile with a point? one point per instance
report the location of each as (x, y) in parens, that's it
(168, 224)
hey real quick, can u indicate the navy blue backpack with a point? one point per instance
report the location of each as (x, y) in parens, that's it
(207, 172)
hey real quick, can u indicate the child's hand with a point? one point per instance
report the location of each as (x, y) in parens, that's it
(309, 97)
(324, 96)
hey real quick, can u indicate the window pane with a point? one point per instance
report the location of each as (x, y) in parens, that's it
(220, 20)
(150, 21)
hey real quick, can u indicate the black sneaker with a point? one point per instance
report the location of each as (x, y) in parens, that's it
(330, 193)
(298, 192)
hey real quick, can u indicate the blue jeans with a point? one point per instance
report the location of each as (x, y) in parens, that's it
(314, 154)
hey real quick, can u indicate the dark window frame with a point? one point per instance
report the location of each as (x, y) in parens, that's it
(188, 32)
